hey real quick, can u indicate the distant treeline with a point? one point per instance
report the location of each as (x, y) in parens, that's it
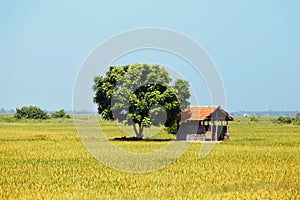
(12, 111)
(268, 113)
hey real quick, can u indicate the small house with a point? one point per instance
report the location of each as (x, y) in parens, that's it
(206, 123)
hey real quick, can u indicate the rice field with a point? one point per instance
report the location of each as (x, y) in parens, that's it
(47, 160)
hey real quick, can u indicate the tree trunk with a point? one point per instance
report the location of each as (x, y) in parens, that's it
(139, 132)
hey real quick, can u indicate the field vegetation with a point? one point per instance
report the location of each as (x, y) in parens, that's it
(45, 159)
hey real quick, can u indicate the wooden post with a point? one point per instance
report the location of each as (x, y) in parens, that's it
(213, 131)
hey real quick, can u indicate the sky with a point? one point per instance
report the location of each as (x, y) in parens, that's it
(255, 46)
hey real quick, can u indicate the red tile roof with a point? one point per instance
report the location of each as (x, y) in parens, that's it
(202, 113)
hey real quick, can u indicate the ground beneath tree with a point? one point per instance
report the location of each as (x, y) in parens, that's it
(124, 138)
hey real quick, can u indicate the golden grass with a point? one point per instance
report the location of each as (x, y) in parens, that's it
(46, 160)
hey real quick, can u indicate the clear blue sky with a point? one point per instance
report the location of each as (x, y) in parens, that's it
(254, 44)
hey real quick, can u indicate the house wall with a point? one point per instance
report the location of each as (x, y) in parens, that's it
(202, 130)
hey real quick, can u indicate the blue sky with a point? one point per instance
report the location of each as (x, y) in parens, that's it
(254, 44)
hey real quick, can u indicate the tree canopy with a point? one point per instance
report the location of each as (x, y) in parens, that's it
(60, 114)
(140, 95)
(30, 112)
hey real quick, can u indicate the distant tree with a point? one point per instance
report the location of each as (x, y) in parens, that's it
(297, 119)
(283, 120)
(254, 119)
(31, 112)
(135, 94)
(60, 114)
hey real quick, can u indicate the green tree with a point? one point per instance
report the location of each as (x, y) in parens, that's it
(140, 95)
(297, 119)
(182, 93)
(283, 120)
(104, 88)
(60, 114)
(31, 112)
(254, 119)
